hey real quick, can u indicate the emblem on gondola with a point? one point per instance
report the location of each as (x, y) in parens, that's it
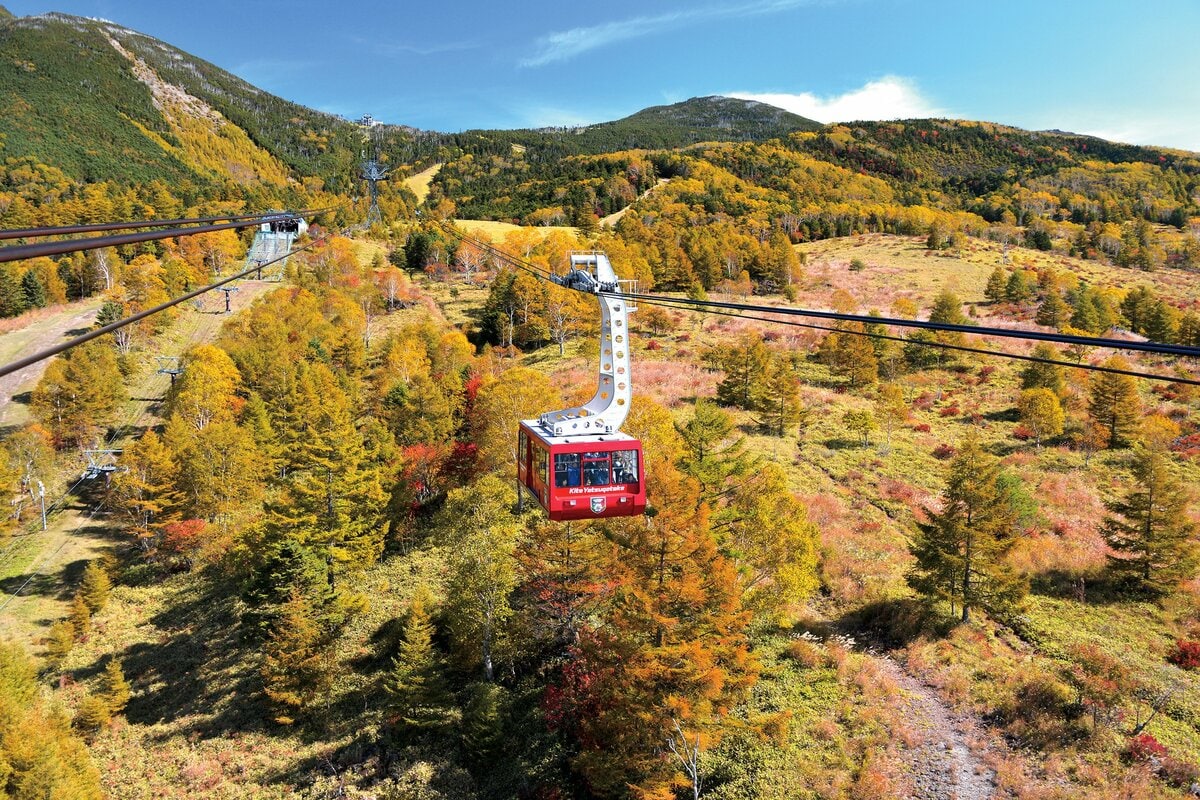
(598, 505)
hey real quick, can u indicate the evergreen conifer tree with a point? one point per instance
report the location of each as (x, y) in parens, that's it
(32, 290)
(960, 553)
(1114, 402)
(416, 682)
(1149, 530)
(95, 586)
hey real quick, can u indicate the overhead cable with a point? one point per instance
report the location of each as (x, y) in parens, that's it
(68, 230)
(121, 323)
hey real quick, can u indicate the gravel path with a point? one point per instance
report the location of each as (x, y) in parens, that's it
(943, 766)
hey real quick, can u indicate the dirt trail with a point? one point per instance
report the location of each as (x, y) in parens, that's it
(944, 766)
(39, 334)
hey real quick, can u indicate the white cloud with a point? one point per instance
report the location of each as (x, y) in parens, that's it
(1176, 132)
(565, 45)
(890, 97)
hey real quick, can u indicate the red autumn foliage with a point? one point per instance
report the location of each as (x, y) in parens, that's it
(1186, 655)
(944, 451)
(951, 410)
(922, 427)
(1023, 432)
(1143, 747)
(654, 344)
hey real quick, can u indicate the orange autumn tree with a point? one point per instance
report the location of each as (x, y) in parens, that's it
(672, 653)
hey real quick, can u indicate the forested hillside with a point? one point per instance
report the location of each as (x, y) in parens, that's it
(283, 554)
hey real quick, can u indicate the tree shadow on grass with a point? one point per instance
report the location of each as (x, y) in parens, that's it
(1093, 589)
(45, 580)
(838, 443)
(198, 667)
(894, 623)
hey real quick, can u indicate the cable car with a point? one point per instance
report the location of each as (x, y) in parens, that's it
(576, 462)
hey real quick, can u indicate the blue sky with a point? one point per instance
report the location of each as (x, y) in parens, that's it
(1128, 71)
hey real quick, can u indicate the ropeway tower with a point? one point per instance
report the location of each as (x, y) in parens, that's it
(372, 171)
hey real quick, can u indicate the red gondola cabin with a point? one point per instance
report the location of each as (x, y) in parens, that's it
(582, 477)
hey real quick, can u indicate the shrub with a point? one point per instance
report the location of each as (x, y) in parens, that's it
(985, 373)
(924, 402)
(944, 451)
(1186, 655)
(921, 427)
(654, 344)
(683, 337)
(805, 653)
(1023, 433)
(951, 410)
(1143, 747)
(857, 265)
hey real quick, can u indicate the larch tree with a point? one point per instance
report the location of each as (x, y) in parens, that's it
(79, 393)
(745, 368)
(144, 489)
(1054, 311)
(994, 291)
(961, 552)
(95, 587)
(220, 473)
(777, 398)
(1041, 412)
(852, 355)
(890, 408)
(40, 757)
(673, 647)
(332, 498)
(1114, 402)
(207, 389)
(519, 393)
(416, 684)
(1038, 375)
(1149, 530)
(714, 455)
(765, 530)
(481, 536)
(296, 669)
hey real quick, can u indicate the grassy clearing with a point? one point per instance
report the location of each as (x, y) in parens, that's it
(418, 184)
(496, 231)
(901, 266)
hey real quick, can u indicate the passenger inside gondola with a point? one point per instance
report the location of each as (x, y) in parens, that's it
(595, 469)
(566, 469)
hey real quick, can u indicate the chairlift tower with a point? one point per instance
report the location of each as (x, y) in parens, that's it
(372, 170)
(228, 290)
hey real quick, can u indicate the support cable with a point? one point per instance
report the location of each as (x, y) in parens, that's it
(24, 251)
(666, 303)
(727, 309)
(121, 323)
(67, 230)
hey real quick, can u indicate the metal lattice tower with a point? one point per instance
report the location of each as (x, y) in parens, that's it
(372, 170)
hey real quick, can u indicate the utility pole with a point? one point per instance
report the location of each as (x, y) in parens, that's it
(42, 495)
